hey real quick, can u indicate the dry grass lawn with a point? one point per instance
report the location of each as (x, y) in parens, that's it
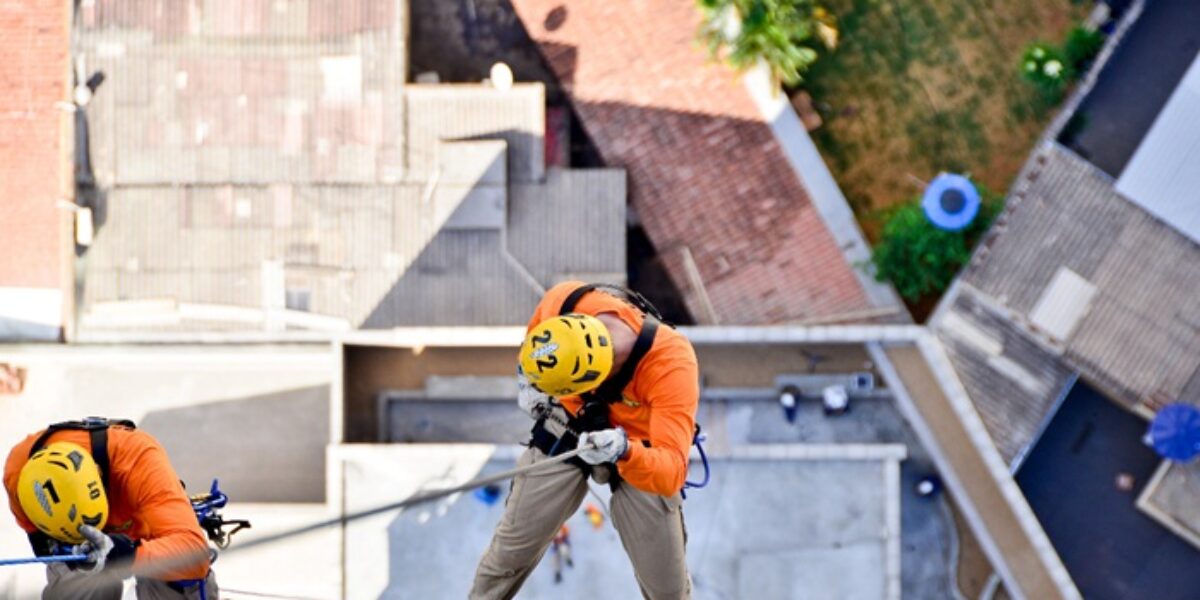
(921, 86)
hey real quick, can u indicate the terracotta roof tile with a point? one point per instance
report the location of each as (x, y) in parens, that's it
(705, 170)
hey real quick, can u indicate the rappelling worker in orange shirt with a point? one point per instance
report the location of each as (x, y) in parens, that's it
(600, 373)
(109, 488)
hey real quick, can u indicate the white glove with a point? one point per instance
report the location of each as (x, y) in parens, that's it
(103, 549)
(97, 547)
(529, 398)
(604, 446)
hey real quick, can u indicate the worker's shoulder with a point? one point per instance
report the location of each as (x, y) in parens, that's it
(672, 347)
(560, 290)
(23, 446)
(18, 455)
(553, 299)
(128, 437)
(557, 294)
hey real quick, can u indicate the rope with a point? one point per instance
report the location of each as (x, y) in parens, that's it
(174, 562)
(225, 590)
(43, 559)
(416, 499)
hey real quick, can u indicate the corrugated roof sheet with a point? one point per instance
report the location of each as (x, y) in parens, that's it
(1140, 335)
(268, 153)
(1011, 377)
(567, 227)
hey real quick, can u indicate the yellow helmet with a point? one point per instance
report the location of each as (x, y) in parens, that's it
(567, 355)
(60, 489)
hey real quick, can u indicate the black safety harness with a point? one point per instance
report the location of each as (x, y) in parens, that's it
(97, 428)
(594, 414)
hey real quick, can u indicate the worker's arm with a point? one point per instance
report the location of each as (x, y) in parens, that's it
(661, 468)
(163, 507)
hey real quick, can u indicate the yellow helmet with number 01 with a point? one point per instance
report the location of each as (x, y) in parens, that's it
(60, 489)
(567, 355)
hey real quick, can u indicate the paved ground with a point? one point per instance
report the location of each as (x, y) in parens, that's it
(929, 544)
(1069, 480)
(1136, 83)
(764, 529)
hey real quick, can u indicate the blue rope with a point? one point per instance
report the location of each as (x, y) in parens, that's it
(187, 583)
(43, 559)
(697, 440)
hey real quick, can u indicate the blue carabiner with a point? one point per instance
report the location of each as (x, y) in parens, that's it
(698, 442)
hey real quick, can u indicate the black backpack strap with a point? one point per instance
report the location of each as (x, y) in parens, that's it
(100, 453)
(42, 544)
(97, 427)
(611, 389)
(631, 297)
(572, 299)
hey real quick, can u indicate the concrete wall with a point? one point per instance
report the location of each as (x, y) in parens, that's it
(757, 365)
(371, 369)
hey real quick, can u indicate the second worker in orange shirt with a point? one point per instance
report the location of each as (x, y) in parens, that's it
(598, 372)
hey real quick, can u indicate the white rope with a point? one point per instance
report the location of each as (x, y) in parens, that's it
(225, 590)
(177, 561)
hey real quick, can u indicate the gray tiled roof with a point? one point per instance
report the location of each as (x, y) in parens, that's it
(459, 112)
(1012, 379)
(1139, 336)
(567, 226)
(459, 277)
(285, 156)
(198, 103)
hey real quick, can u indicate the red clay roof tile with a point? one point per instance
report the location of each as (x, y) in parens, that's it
(705, 171)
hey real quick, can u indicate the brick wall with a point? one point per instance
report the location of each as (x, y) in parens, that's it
(33, 77)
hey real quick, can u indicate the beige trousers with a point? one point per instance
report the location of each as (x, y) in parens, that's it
(63, 583)
(651, 529)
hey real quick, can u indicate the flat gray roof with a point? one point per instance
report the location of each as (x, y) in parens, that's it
(1163, 176)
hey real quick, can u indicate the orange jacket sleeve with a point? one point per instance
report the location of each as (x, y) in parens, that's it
(162, 505)
(661, 467)
(12, 472)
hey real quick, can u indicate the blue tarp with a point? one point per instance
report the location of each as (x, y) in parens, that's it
(950, 201)
(1175, 432)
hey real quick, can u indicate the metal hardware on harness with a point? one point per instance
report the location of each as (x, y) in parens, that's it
(206, 507)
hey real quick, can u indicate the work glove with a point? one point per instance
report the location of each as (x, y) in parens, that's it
(104, 550)
(530, 399)
(604, 446)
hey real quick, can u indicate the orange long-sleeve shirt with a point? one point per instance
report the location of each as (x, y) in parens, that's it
(145, 499)
(658, 406)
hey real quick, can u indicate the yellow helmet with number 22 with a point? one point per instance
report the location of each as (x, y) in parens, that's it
(567, 355)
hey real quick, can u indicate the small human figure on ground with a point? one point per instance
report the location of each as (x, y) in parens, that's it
(594, 516)
(561, 548)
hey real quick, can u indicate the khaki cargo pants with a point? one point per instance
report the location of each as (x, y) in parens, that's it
(65, 584)
(651, 529)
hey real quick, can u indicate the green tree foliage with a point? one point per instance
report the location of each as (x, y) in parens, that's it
(780, 32)
(920, 259)
(1082, 46)
(1045, 66)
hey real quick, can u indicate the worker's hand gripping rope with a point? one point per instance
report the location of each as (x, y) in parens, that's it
(604, 446)
(104, 550)
(530, 399)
